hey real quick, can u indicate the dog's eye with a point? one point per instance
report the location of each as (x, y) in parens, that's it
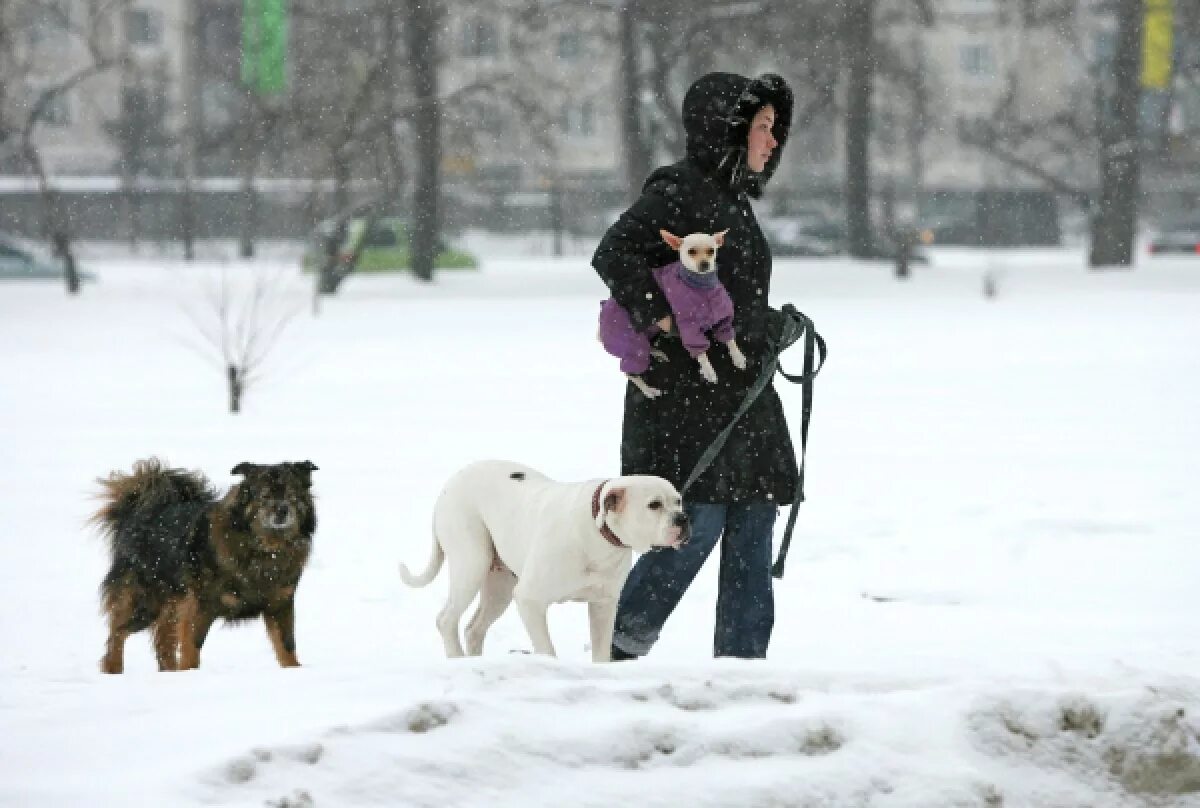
(709, 252)
(655, 505)
(691, 251)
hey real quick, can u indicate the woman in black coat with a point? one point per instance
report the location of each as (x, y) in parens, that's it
(736, 129)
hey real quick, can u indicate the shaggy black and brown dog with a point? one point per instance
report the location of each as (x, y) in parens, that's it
(182, 556)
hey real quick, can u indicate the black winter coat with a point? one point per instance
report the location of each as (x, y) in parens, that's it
(706, 192)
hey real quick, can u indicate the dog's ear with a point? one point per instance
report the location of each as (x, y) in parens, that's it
(673, 241)
(613, 500)
(720, 237)
(304, 469)
(244, 468)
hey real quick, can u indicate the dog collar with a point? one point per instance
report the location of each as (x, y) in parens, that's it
(605, 530)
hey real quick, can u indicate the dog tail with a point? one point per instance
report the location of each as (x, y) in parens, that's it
(149, 487)
(431, 569)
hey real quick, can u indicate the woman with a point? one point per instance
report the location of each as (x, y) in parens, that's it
(736, 129)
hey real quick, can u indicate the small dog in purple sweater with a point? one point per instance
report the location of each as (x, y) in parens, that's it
(699, 304)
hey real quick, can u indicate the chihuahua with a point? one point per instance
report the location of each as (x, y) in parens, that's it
(699, 304)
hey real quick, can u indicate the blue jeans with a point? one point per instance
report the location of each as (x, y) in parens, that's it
(745, 598)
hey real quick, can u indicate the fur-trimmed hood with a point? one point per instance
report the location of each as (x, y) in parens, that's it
(717, 111)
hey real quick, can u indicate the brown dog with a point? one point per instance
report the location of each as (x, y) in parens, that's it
(182, 557)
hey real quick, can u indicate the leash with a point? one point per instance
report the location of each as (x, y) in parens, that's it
(796, 325)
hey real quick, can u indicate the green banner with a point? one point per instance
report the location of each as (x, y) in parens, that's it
(264, 46)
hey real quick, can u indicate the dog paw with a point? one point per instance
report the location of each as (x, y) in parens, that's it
(709, 374)
(739, 361)
(660, 355)
(648, 391)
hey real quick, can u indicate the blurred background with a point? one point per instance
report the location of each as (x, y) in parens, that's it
(357, 127)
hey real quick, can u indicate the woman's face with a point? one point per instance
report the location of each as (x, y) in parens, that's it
(762, 142)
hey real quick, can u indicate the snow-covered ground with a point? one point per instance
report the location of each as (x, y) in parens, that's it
(990, 599)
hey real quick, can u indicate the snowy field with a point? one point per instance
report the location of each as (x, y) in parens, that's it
(991, 599)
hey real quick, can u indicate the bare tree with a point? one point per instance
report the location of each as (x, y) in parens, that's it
(384, 112)
(82, 34)
(1090, 137)
(141, 137)
(240, 322)
(262, 121)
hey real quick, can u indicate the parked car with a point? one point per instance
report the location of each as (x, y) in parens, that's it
(1178, 236)
(990, 218)
(386, 248)
(823, 236)
(20, 260)
(790, 237)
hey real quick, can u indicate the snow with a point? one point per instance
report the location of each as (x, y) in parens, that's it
(989, 600)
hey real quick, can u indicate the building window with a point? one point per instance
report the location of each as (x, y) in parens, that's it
(143, 26)
(976, 60)
(492, 121)
(57, 111)
(1104, 48)
(569, 46)
(479, 39)
(219, 102)
(579, 120)
(587, 119)
(49, 21)
(144, 107)
(220, 32)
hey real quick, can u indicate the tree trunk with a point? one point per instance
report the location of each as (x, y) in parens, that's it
(341, 182)
(236, 387)
(637, 153)
(249, 197)
(859, 35)
(187, 219)
(393, 168)
(54, 221)
(249, 211)
(129, 203)
(556, 215)
(1114, 222)
(423, 54)
(62, 249)
(190, 109)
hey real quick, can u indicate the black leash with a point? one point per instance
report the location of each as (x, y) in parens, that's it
(796, 325)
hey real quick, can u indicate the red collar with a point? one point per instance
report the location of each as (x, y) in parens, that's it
(605, 530)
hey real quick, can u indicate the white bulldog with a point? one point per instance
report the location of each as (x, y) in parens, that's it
(511, 533)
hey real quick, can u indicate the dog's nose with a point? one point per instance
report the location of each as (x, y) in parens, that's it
(282, 512)
(703, 266)
(680, 519)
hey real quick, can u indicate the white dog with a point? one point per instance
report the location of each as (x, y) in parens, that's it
(511, 533)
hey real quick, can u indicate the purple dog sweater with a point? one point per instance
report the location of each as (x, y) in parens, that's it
(699, 303)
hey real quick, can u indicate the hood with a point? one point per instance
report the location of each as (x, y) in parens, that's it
(717, 111)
